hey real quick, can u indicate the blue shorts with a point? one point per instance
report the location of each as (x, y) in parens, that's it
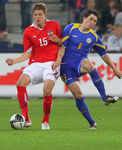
(70, 70)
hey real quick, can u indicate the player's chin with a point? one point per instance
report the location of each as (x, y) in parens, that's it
(91, 27)
(37, 21)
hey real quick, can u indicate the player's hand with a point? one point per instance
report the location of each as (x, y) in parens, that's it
(10, 61)
(56, 72)
(56, 64)
(54, 39)
(118, 73)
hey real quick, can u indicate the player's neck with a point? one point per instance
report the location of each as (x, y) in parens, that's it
(41, 25)
(83, 28)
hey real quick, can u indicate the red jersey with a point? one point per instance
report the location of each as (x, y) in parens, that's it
(37, 41)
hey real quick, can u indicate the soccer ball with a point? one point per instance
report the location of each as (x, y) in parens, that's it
(17, 121)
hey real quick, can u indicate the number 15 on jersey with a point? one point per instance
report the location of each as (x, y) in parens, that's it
(43, 41)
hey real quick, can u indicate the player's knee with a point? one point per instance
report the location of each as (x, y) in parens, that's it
(47, 92)
(19, 83)
(22, 83)
(24, 80)
(88, 66)
(78, 95)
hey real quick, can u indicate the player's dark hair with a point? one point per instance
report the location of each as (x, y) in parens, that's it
(88, 12)
(40, 6)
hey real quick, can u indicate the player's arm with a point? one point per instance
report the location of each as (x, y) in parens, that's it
(66, 35)
(108, 61)
(100, 49)
(27, 50)
(61, 52)
(54, 38)
(102, 52)
(19, 59)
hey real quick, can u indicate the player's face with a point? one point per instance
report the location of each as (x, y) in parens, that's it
(90, 21)
(39, 18)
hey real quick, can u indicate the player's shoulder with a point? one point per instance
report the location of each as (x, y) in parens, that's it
(94, 34)
(92, 31)
(69, 27)
(53, 23)
(28, 29)
(72, 26)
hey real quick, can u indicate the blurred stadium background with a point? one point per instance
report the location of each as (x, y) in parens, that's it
(11, 44)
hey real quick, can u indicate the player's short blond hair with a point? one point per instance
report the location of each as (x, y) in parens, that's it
(40, 6)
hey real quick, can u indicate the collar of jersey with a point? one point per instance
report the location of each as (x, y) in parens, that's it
(77, 25)
(82, 31)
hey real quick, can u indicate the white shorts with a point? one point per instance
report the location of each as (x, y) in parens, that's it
(39, 72)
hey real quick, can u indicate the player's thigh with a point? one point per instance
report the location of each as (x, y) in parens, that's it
(48, 87)
(75, 89)
(35, 72)
(24, 80)
(87, 66)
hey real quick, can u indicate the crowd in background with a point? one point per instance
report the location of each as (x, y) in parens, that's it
(26, 16)
(109, 26)
(3, 16)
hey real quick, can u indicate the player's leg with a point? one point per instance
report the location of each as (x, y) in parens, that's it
(23, 96)
(88, 67)
(47, 103)
(100, 86)
(49, 82)
(80, 103)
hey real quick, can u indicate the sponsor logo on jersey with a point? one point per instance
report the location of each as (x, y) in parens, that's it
(74, 36)
(88, 40)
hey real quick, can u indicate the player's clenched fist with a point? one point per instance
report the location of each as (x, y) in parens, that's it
(10, 61)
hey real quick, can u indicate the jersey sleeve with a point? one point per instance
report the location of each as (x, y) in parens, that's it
(26, 42)
(58, 31)
(99, 47)
(66, 34)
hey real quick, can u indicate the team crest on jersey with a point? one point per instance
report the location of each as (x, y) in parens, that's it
(34, 36)
(50, 32)
(88, 40)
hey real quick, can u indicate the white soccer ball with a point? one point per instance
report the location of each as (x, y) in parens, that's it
(17, 121)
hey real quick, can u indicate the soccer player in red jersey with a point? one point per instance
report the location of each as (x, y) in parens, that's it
(41, 43)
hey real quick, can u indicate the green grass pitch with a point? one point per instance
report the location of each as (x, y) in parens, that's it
(69, 130)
